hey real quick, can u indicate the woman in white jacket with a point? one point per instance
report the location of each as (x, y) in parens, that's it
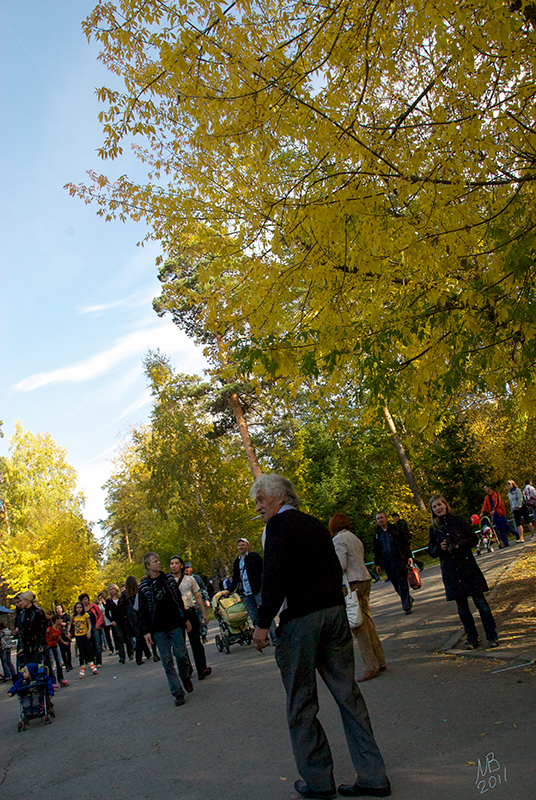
(351, 554)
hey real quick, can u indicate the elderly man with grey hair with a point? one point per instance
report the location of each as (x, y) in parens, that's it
(302, 573)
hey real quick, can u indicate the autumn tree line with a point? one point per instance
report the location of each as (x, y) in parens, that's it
(344, 195)
(179, 484)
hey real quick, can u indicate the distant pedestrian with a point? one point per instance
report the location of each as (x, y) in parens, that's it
(191, 597)
(519, 510)
(529, 496)
(201, 611)
(116, 614)
(351, 555)
(163, 620)
(405, 532)
(129, 605)
(452, 539)
(81, 628)
(32, 629)
(53, 637)
(97, 621)
(494, 507)
(247, 578)
(6, 643)
(65, 649)
(392, 553)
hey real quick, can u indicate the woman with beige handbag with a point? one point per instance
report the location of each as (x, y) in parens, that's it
(351, 554)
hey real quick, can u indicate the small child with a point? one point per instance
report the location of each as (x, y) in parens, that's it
(81, 627)
(53, 638)
(32, 673)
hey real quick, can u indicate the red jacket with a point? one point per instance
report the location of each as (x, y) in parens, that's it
(494, 502)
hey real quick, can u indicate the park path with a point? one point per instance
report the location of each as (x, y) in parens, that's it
(118, 735)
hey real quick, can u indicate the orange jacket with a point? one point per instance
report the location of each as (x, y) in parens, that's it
(494, 502)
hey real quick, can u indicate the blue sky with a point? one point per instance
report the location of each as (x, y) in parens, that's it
(76, 317)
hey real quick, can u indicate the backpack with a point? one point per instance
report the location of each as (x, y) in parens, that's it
(529, 497)
(99, 616)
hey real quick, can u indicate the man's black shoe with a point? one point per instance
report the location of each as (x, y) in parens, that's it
(468, 645)
(306, 791)
(188, 685)
(179, 700)
(121, 660)
(156, 658)
(206, 672)
(355, 790)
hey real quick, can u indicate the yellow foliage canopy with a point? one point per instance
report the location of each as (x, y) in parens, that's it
(375, 162)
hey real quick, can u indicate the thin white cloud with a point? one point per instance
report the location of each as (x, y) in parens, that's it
(164, 335)
(135, 300)
(103, 307)
(144, 400)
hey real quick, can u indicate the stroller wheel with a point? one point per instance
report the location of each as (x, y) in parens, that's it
(48, 721)
(225, 644)
(217, 641)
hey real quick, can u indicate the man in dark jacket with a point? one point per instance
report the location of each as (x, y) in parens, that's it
(302, 571)
(162, 619)
(404, 530)
(393, 554)
(247, 578)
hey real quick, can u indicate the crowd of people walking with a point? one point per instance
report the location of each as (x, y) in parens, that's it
(314, 581)
(114, 624)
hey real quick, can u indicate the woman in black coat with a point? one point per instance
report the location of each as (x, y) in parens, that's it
(452, 539)
(32, 628)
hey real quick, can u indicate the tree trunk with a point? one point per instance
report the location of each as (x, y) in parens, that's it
(6, 517)
(408, 472)
(127, 542)
(199, 499)
(238, 411)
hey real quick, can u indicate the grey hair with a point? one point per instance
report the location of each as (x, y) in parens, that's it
(274, 485)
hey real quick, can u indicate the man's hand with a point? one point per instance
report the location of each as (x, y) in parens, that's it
(378, 570)
(188, 626)
(149, 639)
(205, 619)
(260, 638)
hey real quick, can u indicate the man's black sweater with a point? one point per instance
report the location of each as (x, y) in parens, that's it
(301, 566)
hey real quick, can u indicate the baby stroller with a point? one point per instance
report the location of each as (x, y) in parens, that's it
(232, 618)
(34, 696)
(487, 537)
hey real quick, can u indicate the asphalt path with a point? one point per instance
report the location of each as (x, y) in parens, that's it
(119, 736)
